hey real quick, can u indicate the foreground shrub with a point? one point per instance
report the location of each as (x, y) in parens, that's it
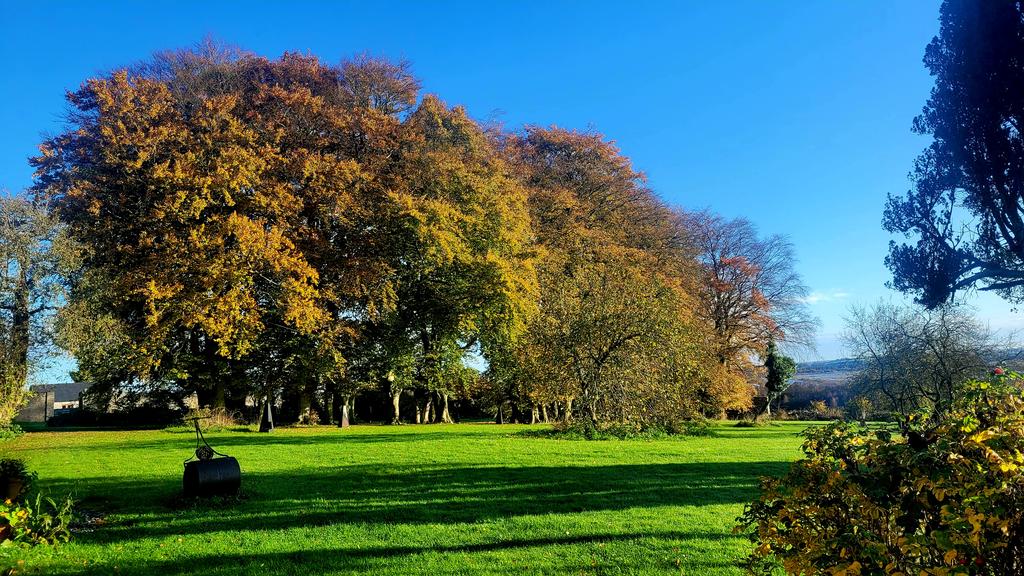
(42, 521)
(946, 498)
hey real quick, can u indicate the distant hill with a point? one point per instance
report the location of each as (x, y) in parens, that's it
(826, 373)
(829, 380)
(833, 372)
(840, 365)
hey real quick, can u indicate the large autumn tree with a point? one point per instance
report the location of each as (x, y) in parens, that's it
(751, 291)
(460, 241)
(964, 215)
(617, 336)
(243, 219)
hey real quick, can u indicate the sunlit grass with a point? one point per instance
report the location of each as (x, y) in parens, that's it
(436, 499)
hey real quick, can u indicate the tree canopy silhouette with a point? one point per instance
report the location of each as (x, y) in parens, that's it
(964, 214)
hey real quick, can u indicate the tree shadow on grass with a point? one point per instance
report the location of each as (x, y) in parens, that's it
(754, 433)
(178, 440)
(443, 495)
(370, 559)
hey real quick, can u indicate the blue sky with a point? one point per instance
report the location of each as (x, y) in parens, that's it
(795, 115)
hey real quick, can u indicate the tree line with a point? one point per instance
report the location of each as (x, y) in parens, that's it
(302, 233)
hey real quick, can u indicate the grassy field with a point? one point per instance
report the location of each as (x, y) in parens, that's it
(436, 499)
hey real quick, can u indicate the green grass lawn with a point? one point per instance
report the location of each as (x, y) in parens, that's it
(434, 499)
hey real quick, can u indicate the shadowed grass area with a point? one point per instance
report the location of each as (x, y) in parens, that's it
(437, 499)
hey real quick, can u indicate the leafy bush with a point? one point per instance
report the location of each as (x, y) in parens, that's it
(212, 419)
(860, 408)
(945, 498)
(817, 410)
(585, 429)
(309, 418)
(690, 428)
(15, 469)
(822, 411)
(44, 521)
(755, 423)
(10, 432)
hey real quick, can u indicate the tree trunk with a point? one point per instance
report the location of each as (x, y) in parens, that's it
(237, 382)
(21, 321)
(534, 414)
(567, 416)
(396, 397)
(335, 406)
(352, 408)
(344, 413)
(428, 407)
(516, 416)
(305, 404)
(219, 400)
(544, 412)
(267, 421)
(446, 416)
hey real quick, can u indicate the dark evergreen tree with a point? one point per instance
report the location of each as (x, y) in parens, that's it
(781, 369)
(964, 215)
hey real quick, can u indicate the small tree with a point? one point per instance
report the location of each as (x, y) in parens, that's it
(751, 292)
(781, 369)
(862, 406)
(915, 359)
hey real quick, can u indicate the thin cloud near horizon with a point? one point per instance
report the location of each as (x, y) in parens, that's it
(817, 297)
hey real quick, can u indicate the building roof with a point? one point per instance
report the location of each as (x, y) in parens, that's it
(65, 392)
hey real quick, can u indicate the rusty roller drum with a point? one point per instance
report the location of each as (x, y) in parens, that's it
(214, 477)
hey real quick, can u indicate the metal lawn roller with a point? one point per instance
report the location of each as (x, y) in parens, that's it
(208, 472)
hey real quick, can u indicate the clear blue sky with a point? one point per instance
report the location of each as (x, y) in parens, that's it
(795, 115)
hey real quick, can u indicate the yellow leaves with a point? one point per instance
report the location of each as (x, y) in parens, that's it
(851, 569)
(233, 321)
(950, 557)
(966, 499)
(155, 294)
(982, 436)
